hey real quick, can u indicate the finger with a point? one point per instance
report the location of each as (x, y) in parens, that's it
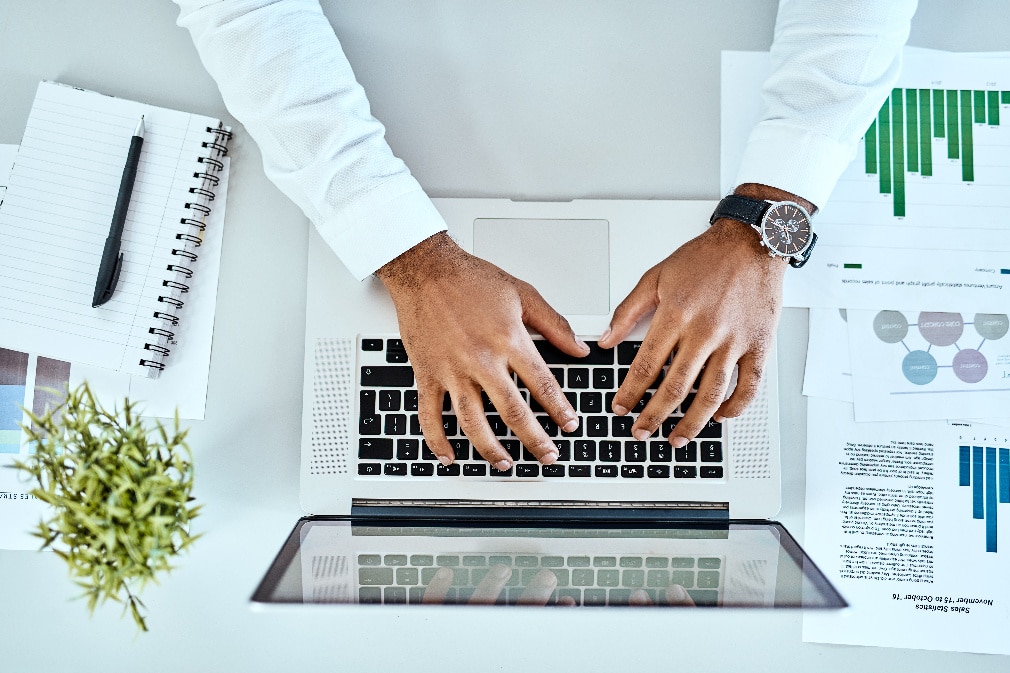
(566, 602)
(438, 587)
(639, 597)
(647, 366)
(542, 317)
(519, 417)
(749, 373)
(639, 302)
(539, 590)
(429, 414)
(490, 587)
(712, 389)
(677, 595)
(473, 422)
(537, 376)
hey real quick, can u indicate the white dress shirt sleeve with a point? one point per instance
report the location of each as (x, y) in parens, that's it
(833, 64)
(283, 74)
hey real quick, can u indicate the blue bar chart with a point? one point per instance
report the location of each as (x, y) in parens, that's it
(27, 382)
(986, 471)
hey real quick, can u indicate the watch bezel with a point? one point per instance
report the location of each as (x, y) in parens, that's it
(766, 242)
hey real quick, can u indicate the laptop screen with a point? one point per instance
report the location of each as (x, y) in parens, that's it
(404, 562)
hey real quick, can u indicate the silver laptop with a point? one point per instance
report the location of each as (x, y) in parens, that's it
(404, 514)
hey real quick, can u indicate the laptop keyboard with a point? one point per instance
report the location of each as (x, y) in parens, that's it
(390, 442)
(587, 580)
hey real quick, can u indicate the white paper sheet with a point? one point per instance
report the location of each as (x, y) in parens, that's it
(889, 522)
(7, 154)
(828, 372)
(924, 365)
(948, 245)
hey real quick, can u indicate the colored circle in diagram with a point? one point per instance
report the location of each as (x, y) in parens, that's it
(970, 366)
(941, 329)
(890, 326)
(919, 367)
(991, 326)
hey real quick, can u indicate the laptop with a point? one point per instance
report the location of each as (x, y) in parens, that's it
(614, 521)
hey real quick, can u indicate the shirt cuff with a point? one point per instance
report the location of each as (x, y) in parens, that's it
(800, 162)
(383, 224)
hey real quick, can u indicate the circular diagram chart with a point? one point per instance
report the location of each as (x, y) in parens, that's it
(942, 331)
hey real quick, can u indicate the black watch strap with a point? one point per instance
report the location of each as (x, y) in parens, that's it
(741, 208)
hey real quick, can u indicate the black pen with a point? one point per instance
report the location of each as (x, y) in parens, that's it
(112, 258)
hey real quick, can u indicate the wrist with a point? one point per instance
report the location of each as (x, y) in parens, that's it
(767, 193)
(427, 259)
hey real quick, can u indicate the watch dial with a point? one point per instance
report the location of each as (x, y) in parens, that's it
(786, 229)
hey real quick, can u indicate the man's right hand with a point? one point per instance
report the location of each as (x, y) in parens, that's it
(463, 322)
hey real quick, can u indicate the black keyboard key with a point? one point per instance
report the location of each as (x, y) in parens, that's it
(610, 452)
(559, 375)
(660, 452)
(375, 448)
(475, 469)
(396, 357)
(498, 426)
(658, 471)
(396, 424)
(621, 426)
(585, 450)
(640, 405)
(370, 425)
(554, 470)
(548, 424)
(387, 376)
(527, 470)
(711, 430)
(552, 356)
(410, 400)
(564, 450)
(685, 471)
(632, 471)
(578, 470)
(500, 473)
(627, 351)
(591, 403)
(407, 449)
(447, 470)
(395, 469)
(578, 377)
(422, 469)
(427, 453)
(573, 398)
(687, 453)
(711, 452)
(389, 400)
(371, 344)
(577, 432)
(446, 403)
(603, 378)
(449, 425)
(367, 398)
(488, 404)
(415, 425)
(528, 456)
(634, 452)
(711, 471)
(606, 470)
(513, 447)
(597, 426)
(369, 469)
(460, 448)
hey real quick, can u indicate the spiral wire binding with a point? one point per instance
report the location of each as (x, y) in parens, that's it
(199, 211)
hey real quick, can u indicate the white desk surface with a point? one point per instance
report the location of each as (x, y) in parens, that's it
(481, 99)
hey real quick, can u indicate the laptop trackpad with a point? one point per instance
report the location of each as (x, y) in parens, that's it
(567, 261)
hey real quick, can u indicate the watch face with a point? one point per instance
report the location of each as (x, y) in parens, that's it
(785, 229)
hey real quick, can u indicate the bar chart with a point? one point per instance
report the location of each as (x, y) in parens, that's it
(33, 382)
(900, 141)
(986, 471)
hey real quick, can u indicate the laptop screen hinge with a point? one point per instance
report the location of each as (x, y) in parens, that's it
(540, 510)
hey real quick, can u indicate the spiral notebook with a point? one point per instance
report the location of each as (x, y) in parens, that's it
(56, 214)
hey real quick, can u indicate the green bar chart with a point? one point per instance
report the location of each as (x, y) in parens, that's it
(900, 141)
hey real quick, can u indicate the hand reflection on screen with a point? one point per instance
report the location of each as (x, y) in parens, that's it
(538, 591)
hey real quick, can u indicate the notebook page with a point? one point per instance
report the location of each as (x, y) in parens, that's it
(56, 215)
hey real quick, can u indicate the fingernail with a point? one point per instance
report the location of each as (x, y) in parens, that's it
(718, 419)
(502, 465)
(606, 333)
(679, 442)
(549, 457)
(675, 592)
(582, 343)
(641, 434)
(445, 460)
(619, 410)
(571, 426)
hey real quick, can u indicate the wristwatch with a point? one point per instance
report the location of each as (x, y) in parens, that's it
(784, 226)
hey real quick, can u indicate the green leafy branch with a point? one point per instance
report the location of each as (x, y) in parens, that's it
(120, 495)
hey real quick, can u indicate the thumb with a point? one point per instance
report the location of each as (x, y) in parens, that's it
(639, 302)
(542, 317)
